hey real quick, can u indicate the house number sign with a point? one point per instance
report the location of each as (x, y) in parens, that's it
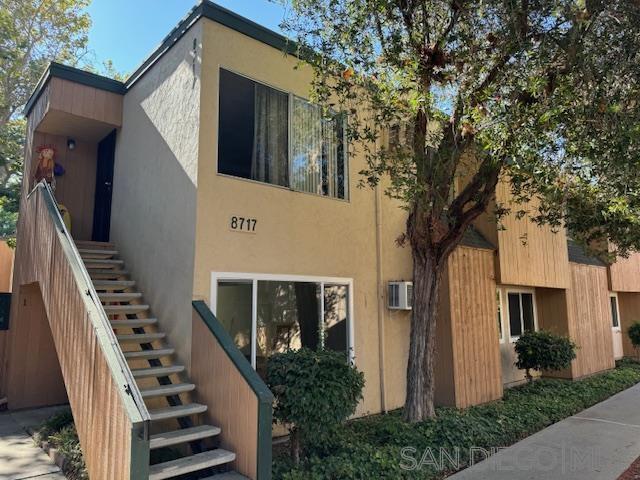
(243, 224)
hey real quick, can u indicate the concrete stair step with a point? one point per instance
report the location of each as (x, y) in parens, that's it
(193, 463)
(107, 273)
(119, 297)
(113, 284)
(141, 337)
(96, 254)
(124, 309)
(185, 435)
(154, 353)
(167, 390)
(177, 411)
(101, 264)
(134, 322)
(90, 244)
(157, 371)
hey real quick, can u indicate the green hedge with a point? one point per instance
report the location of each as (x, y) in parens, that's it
(371, 447)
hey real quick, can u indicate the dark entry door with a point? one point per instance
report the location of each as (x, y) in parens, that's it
(104, 188)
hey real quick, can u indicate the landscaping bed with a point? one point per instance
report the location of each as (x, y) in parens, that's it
(372, 447)
(58, 437)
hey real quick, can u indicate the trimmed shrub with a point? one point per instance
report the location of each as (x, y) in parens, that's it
(315, 391)
(544, 351)
(634, 335)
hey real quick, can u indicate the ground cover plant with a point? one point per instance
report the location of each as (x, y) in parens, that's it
(372, 447)
(60, 433)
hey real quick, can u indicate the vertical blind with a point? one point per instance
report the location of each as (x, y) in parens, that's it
(316, 166)
(275, 137)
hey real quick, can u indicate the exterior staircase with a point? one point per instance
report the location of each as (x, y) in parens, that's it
(181, 445)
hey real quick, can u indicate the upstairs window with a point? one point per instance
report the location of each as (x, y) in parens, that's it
(273, 137)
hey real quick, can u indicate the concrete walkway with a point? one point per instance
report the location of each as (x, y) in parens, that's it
(597, 444)
(20, 458)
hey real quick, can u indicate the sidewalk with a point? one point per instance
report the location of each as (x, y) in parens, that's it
(20, 458)
(597, 444)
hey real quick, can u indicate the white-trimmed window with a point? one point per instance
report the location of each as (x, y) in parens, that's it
(615, 311)
(500, 316)
(275, 137)
(521, 311)
(267, 314)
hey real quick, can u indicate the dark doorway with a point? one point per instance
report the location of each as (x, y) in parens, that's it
(104, 188)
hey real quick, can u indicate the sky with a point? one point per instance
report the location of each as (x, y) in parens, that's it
(128, 31)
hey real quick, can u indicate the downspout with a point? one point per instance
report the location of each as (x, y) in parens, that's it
(381, 304)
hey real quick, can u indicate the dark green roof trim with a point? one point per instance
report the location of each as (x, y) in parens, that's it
(577, 254)
(223, 16)
(74, 75)
(205, 9)
(263, 394)
(473, 238)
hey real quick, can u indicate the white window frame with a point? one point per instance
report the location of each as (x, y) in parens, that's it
(501, 332)
(346, 161)
(519, 290)
(615, 295)
(254, 278)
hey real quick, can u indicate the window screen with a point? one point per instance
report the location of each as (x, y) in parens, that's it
(515, 326)
(614, 312)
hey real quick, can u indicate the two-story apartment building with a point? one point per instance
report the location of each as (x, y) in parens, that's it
(208, 184)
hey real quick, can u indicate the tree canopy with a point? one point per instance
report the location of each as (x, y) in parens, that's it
(32, 34)
(447, 97)
(544, 91)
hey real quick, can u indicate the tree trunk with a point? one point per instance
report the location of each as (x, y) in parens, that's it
(427, 274)
(294, 445)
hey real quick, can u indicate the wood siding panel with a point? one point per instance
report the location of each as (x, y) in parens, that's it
(233, 406)
(84, 101)
(36, 382)
(590, 320)
(629, 305)
(530, 255)
(474, 330)
(553, 315)
(624, 274)
(6, 266)
(583, 313)
(103, 424)
(444, 367)
(76, 188)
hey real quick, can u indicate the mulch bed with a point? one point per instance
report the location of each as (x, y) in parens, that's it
(632, 473)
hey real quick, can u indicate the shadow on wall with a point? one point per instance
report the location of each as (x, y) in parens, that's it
(35, 379)
(154, 187)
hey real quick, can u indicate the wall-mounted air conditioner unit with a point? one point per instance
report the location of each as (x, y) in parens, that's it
(400, 295)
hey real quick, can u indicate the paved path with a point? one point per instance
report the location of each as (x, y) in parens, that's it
(20, 458)
(597, 444)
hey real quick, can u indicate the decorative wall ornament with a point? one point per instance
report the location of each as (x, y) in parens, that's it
(46, 164)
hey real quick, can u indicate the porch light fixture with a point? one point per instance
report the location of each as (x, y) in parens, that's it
(71, 144)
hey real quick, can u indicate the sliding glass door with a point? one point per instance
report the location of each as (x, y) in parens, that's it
(265, 315)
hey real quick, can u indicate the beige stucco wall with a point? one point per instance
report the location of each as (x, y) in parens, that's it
(154, 186)
(297, 233)
(396, 265)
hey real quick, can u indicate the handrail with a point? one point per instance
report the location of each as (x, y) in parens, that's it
(132, 400)
(253, 380)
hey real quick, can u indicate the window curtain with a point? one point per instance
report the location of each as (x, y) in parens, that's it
(270, 140)
(315, 151)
